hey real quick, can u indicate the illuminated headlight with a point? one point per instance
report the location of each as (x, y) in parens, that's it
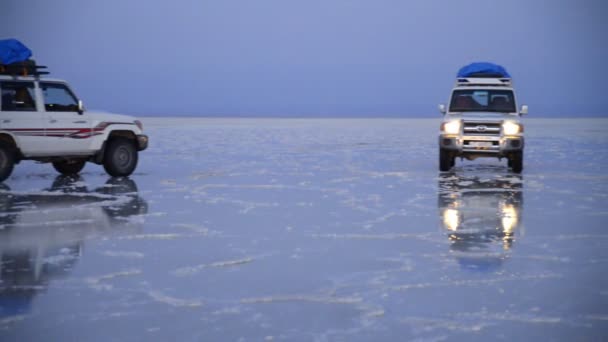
(451, 127)
(511, 128)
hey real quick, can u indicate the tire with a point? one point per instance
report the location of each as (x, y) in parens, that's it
(120, 157)
(69, 167)
(446, 160)
(7, 162)
(517, 161)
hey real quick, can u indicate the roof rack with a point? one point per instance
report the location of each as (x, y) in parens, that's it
(483, 81)
(25, 68)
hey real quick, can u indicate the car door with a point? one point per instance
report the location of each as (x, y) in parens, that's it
(68, 129)
(22, 116)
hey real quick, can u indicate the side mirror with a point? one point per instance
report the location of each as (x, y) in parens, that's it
(442, 108)
(80, 107)
(524, 110)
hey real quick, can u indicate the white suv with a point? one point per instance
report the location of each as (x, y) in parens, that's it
(482, 119)
(41, 119)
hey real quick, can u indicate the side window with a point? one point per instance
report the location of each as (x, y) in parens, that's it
(17, 96)
(58, 98)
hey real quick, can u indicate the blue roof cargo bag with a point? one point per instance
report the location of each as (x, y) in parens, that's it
(13, 51)
(483, 69)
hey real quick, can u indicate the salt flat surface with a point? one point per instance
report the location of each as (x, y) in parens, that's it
(312, 230)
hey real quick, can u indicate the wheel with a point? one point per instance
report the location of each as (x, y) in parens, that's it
(516, 161)
(446, 160)
(69, 167)
(7, 162)
(120, 157)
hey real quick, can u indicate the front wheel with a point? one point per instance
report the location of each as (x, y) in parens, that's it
(516, 161)
(446, 160)
(120, 157)
(69, 167)
(7, 162)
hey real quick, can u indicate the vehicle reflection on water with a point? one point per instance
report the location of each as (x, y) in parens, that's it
(42, 234)
(481, 216)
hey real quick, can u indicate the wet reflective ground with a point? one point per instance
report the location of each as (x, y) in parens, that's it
(312, 230)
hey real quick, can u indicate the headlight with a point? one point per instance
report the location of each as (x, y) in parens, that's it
(452, 127)
(511, 128)
(139, 124)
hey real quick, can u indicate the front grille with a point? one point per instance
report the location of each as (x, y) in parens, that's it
(481, 128)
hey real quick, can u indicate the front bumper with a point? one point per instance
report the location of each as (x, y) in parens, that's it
(481, 145)
(142, 142)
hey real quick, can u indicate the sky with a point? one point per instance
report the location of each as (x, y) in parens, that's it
(313, 58)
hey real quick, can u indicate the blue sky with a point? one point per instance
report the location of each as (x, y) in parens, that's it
(315, 57)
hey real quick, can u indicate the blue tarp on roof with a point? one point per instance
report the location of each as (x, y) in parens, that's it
(483, 68)
(12, 51)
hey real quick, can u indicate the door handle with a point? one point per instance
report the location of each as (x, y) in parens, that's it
(6, 121)
(52, 121)
(79, 122)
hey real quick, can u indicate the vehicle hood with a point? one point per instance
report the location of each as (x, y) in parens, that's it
(485, 116)
(106, 116)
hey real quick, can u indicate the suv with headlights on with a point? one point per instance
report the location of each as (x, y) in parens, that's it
(42, 120)
(482, 119)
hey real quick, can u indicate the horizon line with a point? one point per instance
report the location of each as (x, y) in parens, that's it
(185, 116)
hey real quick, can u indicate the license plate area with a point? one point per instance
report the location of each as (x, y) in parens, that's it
(480, 144)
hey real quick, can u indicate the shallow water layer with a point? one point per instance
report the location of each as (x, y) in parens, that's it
(311, 230)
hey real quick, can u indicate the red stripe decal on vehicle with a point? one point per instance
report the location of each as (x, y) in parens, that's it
(73, 133)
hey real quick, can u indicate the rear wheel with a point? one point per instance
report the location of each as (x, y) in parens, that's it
(120, 157)
(69, 167)
(7, 162)
(446, 160)
(516, 161)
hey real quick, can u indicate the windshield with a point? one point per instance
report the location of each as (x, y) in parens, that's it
(482, 100)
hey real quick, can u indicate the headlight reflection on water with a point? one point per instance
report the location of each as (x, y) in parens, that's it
(510, 218)
(451, 219)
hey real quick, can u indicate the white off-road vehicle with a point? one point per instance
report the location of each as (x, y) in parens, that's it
(42, 120)
(482, 119)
